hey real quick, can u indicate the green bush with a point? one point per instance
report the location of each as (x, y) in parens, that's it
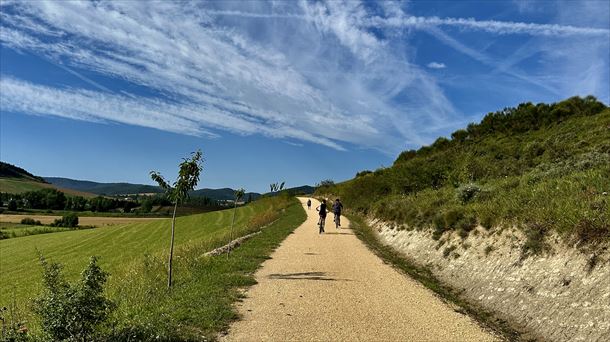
(30, 221)
(73, 312)
(467, 192)
(535, 243)
(452, 217)
(69, 221)
(12, 205)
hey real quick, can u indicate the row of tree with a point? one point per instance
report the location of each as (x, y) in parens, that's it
(53, 199)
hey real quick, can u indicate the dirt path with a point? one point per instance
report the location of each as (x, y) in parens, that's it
(330, 287)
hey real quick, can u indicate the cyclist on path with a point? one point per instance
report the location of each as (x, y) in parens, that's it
(337, 208)
(322, 209)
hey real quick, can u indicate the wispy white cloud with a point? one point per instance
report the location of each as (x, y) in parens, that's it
(85, 105)
(436, 65)
(421, 22)
(492, 26)
(225, 66)
(193, 59)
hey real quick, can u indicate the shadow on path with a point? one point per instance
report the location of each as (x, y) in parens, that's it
(304, 276)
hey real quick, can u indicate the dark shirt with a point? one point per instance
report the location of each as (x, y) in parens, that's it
(337, 207)
(323, 209)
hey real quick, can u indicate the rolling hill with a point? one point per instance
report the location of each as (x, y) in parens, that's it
(15, 180)
(109, 189)
(112, 189)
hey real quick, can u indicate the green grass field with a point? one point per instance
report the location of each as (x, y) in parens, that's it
(10, 230)
(116, 245)
(200, 304)
(18, 186)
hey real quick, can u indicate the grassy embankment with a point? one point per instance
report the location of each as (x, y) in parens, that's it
(542, 168)
(205, 287)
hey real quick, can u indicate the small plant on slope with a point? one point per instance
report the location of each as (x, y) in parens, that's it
(188, 177)
(74, 312)
(239, 194)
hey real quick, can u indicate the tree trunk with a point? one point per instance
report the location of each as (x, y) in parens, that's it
(231, 231)
(171, 248)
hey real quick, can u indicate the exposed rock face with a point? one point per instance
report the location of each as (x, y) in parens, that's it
(563, 295)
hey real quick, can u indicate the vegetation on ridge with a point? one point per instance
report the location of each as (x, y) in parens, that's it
(543, 168)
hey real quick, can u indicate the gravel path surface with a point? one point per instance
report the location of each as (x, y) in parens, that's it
(330, 287)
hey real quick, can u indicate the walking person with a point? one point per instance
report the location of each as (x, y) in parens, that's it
(308, 204)
(322, 210)
(337, 208)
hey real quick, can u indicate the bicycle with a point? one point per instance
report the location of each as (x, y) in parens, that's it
(321, 223)
(337, 220)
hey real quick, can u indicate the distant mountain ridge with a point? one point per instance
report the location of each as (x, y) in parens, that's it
(103, 188)
(113, 189)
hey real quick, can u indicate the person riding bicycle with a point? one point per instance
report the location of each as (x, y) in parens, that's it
(337, 208)
(308, 204)
(322, 209)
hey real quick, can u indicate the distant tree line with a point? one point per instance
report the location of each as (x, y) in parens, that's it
(53, 199)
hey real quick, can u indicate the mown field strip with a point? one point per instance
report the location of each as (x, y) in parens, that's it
(115, 245)
(82, 220)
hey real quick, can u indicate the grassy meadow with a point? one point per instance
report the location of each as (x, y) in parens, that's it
(125, 249)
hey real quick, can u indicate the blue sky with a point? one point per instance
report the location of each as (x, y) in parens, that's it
(272, 91)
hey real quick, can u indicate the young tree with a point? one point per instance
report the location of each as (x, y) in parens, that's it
(239, 194)
(275, 187)
(188, 177)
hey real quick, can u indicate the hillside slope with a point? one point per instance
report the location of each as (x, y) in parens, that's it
(15, 180)
(541, 168)
(512, 214)
(11, 171)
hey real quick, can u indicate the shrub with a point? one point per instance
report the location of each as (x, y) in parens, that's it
(30, 221)
(73, 311)
(69, 220)
(452, 217)
(12, 205)
(467, 192)
(439, 226)
(14, 329)
(468, 222)
(447, 251)
(489, 249)
(363, 173)
(487, 220)
(590, 231)
(534, 243)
